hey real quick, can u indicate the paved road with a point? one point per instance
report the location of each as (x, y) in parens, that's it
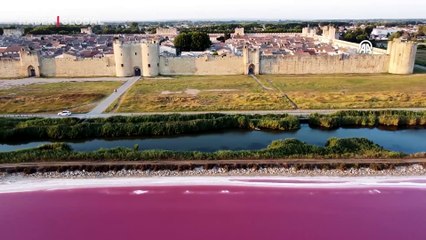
(298, 112)
(102, 106)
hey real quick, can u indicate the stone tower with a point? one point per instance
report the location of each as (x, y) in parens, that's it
(150, 59)
(402, 56)
(122, 56)
(30, 63)
(251, 58)
(329, 32)
(239, 32)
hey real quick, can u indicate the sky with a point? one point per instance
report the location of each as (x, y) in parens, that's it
(28, 11)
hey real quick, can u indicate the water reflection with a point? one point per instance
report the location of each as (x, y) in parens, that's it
(406, 140)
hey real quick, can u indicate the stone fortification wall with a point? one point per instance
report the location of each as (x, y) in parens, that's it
(230, 65)
(66, 67)
(324, 64)
(11, 69)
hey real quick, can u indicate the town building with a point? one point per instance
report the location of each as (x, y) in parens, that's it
(152, 55)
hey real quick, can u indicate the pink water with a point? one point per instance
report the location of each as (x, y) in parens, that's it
(208, 213)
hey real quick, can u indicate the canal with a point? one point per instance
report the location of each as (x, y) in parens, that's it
(404, 140)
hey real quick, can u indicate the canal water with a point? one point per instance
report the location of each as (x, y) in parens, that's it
(405, 140)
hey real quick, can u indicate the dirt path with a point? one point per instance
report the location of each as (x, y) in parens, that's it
(103, 106)
(261, 84)
(6, 84)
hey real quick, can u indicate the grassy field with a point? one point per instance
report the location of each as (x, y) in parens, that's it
(421, 57)
(353, 91)
(199, 93)
(216, 93)
(53, 97)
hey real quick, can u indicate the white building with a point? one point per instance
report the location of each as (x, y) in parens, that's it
(382, 33)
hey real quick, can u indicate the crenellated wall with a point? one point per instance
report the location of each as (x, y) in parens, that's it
(87, 67)
(324, 64)
(143, 59)
(212, 65)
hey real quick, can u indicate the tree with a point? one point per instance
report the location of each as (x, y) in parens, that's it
(357, 35)
(200, 41)
(134, 25)
(183, 42)
(362, 37)
(193, 41)
(395, 35)
(421, 31)
(369, 29)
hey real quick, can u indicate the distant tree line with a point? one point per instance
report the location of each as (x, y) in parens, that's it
(259, 27)
(133, 28)
(53, 29)
(192, 41)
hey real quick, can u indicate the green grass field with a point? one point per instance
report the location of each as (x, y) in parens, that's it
(421, 57)
(199, 93)
(353, 91)
(77, 97)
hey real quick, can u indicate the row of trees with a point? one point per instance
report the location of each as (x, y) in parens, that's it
(253, 27)
(288, 148)
(133, 28)
(192, 41)
(53, 29)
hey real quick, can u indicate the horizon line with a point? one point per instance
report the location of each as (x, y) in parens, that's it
(222, 20)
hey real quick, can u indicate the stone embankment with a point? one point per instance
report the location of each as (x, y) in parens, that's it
(411, 170)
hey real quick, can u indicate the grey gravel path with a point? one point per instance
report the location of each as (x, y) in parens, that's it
(102, 106)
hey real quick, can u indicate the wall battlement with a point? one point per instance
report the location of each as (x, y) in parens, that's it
(143, 59)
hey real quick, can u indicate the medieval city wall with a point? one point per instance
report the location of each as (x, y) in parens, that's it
(292, 34)
(11, 69)
(68, 67)
(345, 44)
(211, 65)
(324, 64)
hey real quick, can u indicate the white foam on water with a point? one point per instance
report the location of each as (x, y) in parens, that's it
(374, 191)
(139, 192)
(37, 184)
